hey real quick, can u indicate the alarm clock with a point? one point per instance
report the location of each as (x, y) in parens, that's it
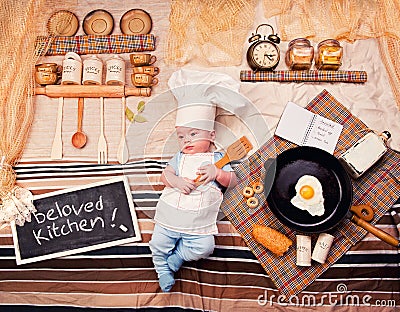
(263, 54)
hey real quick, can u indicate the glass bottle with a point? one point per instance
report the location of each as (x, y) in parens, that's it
(329, 55)
(299, 55)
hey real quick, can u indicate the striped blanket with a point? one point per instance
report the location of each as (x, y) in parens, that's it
(122, 278)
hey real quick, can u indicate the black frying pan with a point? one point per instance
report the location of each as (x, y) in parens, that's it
(281, 177)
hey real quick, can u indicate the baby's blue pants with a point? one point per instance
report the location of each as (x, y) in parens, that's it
(182, 247)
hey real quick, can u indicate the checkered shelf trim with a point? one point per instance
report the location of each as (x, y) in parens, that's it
(96, 44)
(378, 188)
(305, 76)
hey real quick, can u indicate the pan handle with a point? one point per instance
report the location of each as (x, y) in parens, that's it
(268, 163)
(377, 232)
(270, 170)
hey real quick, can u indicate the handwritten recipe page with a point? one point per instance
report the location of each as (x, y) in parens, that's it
(304, 128)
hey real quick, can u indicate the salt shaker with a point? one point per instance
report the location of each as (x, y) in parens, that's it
(322, 247)
(303, 250)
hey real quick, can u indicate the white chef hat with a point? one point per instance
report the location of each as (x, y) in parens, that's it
(198, 93)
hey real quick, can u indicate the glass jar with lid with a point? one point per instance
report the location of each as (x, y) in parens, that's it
(300, 54)
(329, 55)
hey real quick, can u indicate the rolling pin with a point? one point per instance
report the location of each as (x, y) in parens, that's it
(91, 91)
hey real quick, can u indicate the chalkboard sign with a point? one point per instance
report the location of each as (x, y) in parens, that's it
(78, 219)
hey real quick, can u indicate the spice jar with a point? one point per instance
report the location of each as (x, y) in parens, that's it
(92, 71)
(299, 55)
(329, 55)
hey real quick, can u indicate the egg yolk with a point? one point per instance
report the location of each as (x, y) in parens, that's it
(307, 192)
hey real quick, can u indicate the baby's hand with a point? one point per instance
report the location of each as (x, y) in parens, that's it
(208, 173)
(185, 185)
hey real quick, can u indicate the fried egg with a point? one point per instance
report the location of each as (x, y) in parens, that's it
(309, 195)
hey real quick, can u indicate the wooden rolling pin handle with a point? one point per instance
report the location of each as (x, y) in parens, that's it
(40, 91)
(91, 91)
(377, 232)
(129, 91)
(84, 91)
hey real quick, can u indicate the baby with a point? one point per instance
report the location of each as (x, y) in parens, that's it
(187, 212)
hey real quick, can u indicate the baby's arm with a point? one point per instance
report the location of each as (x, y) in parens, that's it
(212, 173)
(170, 179)
(226, 178)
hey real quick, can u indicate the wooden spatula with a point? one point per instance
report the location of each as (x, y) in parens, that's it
(235, 151)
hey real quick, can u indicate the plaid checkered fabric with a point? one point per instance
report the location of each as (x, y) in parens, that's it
(305, 76)
(95, 44)
(378, 188)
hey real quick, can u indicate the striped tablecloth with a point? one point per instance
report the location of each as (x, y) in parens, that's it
(379, 188)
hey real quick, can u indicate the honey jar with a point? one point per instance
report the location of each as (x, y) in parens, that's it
(299, 55)
(329, 55)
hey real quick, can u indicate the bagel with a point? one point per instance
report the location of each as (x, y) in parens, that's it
(248, 192)
(252, 202)
(258, 187)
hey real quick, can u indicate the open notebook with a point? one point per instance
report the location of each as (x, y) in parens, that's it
(304, 128)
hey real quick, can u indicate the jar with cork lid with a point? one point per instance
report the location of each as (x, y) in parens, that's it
(300, 54)
(329, 55)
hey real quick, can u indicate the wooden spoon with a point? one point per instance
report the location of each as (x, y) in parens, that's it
(79, 138)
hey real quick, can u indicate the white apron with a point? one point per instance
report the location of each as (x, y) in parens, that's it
(195, 213)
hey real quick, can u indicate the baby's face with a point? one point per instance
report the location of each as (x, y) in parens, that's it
(193, 140)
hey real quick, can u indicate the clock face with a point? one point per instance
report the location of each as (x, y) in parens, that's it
(265, 55)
